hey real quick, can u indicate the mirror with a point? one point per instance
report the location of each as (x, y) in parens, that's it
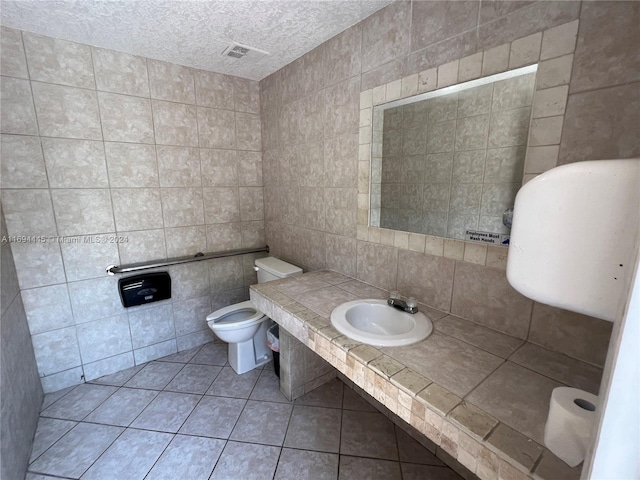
(449, 162)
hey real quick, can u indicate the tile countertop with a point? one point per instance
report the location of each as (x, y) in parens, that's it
(479, 394)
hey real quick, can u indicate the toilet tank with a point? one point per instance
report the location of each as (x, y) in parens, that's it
(272, 268)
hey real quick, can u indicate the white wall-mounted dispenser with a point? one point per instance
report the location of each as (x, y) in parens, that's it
(574, 236)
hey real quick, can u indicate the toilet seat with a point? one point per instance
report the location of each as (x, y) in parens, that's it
(235, 316)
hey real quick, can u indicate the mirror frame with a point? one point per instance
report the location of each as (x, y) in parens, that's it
(545, 132)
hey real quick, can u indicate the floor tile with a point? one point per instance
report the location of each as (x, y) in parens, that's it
(268, 388)
(355, 468)
(167, 412)
(37, 476)
(482, 337)
(559, 367)
(314, 428)
(368, 434)
(517, 397)
(214, 417)
(212, 354)
(351, 400)
(263, 422)
(246, 461)
(119, 378)
(155, 375)
(326, 395)
(76, 451)
(229, 384)
(452, 363)
(187, 457)
(122, 407)
(411, 451)
(412, 471)
(50, 398)
(130, 457)
(79, 403)
(306, 465)
(194, 379)
(181, 357)
(48, 432)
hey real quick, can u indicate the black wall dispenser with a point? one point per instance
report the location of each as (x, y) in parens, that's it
(145, 288)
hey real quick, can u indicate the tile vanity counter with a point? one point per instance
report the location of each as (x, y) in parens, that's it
(479, 395)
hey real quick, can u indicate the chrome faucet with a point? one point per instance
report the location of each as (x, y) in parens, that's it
(410, 305)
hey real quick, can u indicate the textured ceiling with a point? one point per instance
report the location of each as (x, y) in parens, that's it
(194, 33)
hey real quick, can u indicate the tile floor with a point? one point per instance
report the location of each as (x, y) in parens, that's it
(189, 416)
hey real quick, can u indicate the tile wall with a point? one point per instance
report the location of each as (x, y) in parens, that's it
(119, 159)
(310, 126)
(21, 393)
(455, 162)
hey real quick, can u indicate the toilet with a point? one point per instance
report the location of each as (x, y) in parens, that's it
(244, 327)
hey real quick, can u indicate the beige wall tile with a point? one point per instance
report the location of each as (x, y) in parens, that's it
(541, 159)
(433, 22)
(483, 295)
(214, 90)
(22, 162)
(222, 204)
(342, 108)
(448, 74)
(385, 35)
(13, 62)
(377, 265)
(525, 51)
(427, 80)
(131, 165)
(600, 125)
(18, 114)
(495, 59)
(428, 278)
(550, 102)
(470, 67)
(219, 167)
(250, 169)
(28, 212)
(75, 163)
(246, 94)
(142, 246)
(67, 112)
(248, 131)
(57, 61)
(83, 212)
(38, 264)
(137, 208)
(553, 327)
(559, 40)
(125, 118)
(224, 236)
(216, 128)
(171, 82)
(119, 72)
(182, 206)
(84, 260)
(251, 204)
(554, 72)
(183, 241)
(175, 124)
(178, 166)
(546, 131)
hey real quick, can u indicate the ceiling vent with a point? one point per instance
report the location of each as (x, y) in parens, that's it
(236, 50)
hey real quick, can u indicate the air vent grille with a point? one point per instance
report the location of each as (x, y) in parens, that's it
(236, 50)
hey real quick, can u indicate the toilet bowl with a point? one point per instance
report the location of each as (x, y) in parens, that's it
(243, 326)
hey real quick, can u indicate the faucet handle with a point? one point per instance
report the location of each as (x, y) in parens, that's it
(412, 302)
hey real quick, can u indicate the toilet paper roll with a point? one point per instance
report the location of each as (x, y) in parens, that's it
(572, 414)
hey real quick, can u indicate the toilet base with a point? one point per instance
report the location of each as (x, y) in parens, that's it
(251, 354)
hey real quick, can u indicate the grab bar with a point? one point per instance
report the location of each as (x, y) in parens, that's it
(198, 257)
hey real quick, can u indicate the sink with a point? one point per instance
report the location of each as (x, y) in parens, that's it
(374, 322)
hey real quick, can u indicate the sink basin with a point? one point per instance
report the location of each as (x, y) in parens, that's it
(374, 322)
